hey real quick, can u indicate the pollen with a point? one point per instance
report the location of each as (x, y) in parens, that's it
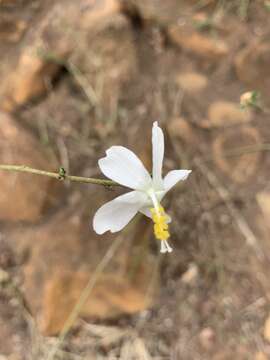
(160, 219)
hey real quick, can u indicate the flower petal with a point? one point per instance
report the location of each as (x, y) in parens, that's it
(124, 167)
(157, 155)
(173, 177)
(146, 211)
(116, 214)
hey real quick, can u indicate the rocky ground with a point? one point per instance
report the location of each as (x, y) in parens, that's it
(77, 77)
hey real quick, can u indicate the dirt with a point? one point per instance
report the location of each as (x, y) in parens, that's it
(211, 299)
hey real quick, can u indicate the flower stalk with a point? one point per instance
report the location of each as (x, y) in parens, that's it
(58, 175)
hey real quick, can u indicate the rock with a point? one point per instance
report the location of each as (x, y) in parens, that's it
(134, 348)
(160, 13)
(49, 45)
(225, 113)
(30, 80)
(23, 196)
(111, 297)
(263, 199)
(155, 11)
(266, 331)
(260, 356)
(241, 167)
(192, 83)
(15, 19)
(180, 128)
(3, 276)
(207, 338)
(106, 335)
(63, 255)
(239, 352)
(198, 44)
(94, 13)
(191, 274)
(10, 30)
(252, 66)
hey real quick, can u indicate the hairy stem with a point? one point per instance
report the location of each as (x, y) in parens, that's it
(58, 176)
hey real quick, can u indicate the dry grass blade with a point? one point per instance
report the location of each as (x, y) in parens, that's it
(106, 335)
(140, 349)
(135, 349)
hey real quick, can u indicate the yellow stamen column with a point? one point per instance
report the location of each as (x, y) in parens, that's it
(160, 219)
(161, 228)
(160, 223)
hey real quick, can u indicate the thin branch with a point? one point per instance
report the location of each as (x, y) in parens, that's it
(61, 175)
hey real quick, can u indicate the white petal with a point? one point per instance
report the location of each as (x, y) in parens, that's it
(124, 167)
(157, 154)
(116, 214)
(146, 211)
(173, 177)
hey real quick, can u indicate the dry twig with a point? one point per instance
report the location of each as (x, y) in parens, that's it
(61, 175)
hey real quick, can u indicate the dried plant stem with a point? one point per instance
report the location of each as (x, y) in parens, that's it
(57, 176)
(85, 295)
(74, 71)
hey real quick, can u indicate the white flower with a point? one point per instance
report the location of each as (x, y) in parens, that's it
(124, 167)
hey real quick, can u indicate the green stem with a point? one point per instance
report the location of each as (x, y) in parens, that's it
(57, 176)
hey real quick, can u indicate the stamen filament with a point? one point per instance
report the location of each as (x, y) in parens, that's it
(154, 200)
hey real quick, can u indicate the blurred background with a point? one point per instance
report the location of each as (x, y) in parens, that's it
(80, 76)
